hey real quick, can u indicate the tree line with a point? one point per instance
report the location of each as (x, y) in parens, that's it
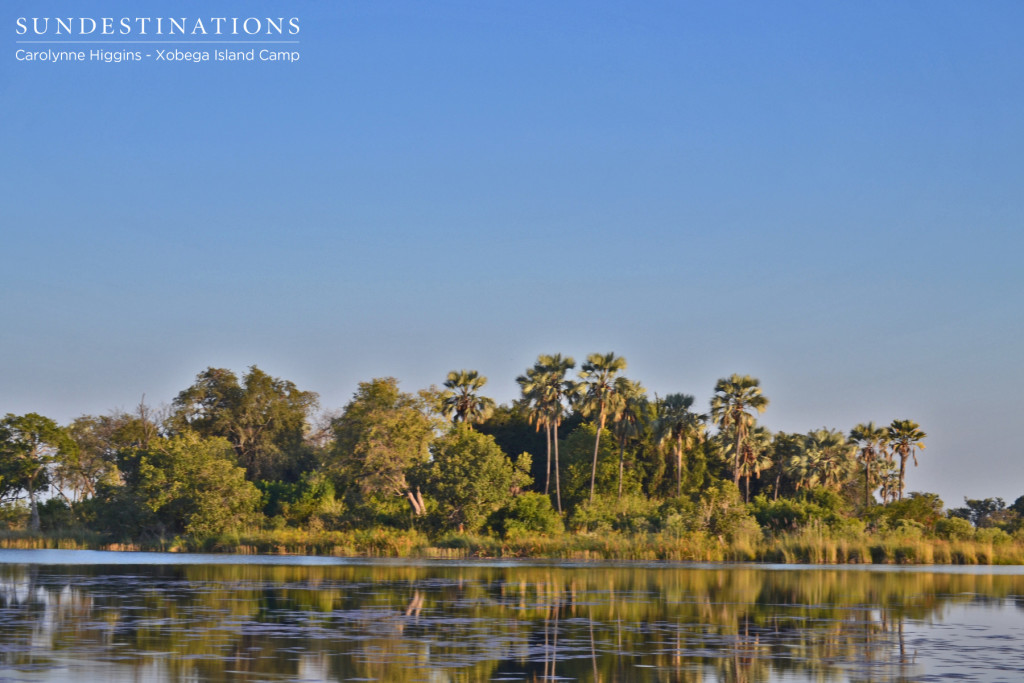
(585, 449)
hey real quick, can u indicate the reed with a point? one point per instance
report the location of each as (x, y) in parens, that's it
(814, 545)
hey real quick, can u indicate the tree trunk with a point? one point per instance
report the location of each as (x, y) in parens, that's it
(622, 451)
(547, 475)
(679, 467)
(558, 487)
(736, 464)
(416, 500)
(597, 444)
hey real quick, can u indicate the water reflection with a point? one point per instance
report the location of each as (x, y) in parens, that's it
(449, 622)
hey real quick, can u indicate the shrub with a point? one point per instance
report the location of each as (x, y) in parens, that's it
(630, 513)
(993, 535)
(954, 529)
(526, 513)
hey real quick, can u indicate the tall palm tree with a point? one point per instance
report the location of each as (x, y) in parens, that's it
(545, 388)
(681, 427)
(595, 390)
(460, 401)
(628, 403)
(731, 408)
(532, 386)
(871, 443)
(905, 436)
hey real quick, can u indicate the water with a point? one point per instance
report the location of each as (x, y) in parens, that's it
(81, 616)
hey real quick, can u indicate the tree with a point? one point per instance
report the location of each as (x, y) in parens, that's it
(264, 418)
(785, 448)
(905, 436)
(545, 388)
(756, 456)
(595, 390)
(871, 442)
(469, 477)
(192, 484)
(30, 446)
(679, 426)
(381, 435)
(731, 407)
(461, 402)
(534, 387)
(828, 454)
(628, 406)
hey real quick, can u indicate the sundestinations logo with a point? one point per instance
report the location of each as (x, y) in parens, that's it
(158, 26)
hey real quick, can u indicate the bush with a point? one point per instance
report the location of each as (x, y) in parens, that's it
(55, 514)
(630, 514)
(993, 535)
(954, 529)
(526, 513)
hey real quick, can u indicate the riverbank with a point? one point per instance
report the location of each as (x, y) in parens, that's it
(805, 547)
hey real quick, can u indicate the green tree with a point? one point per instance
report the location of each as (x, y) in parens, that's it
(461, 401)
(193, 485)
(628, 406)
(757, 456)
(31, 446)
(905, 436)
(469, 477)
(871, 442)
(595, 390)
(828, 454)
(785, 448)
(731, 406)
(264, 418)
(382, 434)
(680, 427)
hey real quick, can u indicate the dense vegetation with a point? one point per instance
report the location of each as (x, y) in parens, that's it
(580, 466)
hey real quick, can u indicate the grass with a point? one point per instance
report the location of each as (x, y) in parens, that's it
(809, 546)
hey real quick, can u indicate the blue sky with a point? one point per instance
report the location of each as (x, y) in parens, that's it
(824, 195)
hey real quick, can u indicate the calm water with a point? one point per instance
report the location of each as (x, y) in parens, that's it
(81, 616)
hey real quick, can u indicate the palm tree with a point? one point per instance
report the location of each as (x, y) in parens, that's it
(545, 388)
(871, 442)
(678, 425)
(756, 457)
(595, 390)
(532, 387)
(461, 403)
(785, 447)
(905, 436)
(828, 454)
(734, 398)
(628, 403)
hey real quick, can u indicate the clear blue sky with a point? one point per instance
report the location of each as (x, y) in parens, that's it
(828, 196)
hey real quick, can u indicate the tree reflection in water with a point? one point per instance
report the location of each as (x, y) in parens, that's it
(469, 622)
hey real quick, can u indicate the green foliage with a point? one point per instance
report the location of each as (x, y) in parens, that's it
(526, 513)
(310, 503)
(993, 535)
(988, 512)
(192, 485)
(813, 506)
(577, 461)
(631, 514)
(31, 446)
(380, 438)
(722, 512)
(264, 418)
(923, 508)
(469, 477)
(954, 529)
